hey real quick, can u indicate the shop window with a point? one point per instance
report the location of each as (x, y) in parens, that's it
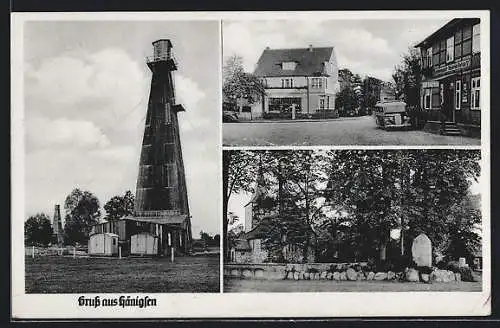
(458, 93)
(449, 49)
(475, 92)
(476, 38)
(284, 104)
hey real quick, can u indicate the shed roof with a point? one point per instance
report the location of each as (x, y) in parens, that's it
(309, 61)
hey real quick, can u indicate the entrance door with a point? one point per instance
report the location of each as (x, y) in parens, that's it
(448, 100)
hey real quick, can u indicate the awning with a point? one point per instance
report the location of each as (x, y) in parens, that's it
(168, 219)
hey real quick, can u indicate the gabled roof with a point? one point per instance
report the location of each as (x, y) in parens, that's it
(241, 245)
(309, 61)
(456, 22)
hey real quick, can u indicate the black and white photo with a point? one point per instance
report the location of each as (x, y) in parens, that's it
(387, 81)
(115, 174)
(353, 221)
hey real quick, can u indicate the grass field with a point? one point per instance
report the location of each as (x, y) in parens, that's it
(57, 274)
(248, 286)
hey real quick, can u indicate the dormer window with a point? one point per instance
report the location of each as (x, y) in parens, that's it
(288, 66)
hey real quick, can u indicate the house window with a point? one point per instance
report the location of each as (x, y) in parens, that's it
(322, 103)
(317, 82)
(475, 92)
(476, 38)
(458, 93)
(287, 83)
(429, 58)
(431, 98)
(450, 49)
(326, 83)
(287, 66)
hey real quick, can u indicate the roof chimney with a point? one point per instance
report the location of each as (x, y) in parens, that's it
(310, 47)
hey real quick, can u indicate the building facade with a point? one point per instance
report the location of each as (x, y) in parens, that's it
(451, 77)
(303, 81)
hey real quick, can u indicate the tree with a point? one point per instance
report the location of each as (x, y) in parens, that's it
(407, 77)
(346, 99)
(119, 206)
(238, 175)
(239, 85)
(385, 190)
(298, 176)
(82, 211)
(371, 93)
(38, 230)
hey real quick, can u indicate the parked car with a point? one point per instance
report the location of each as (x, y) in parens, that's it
(391, 114)
(229, 116)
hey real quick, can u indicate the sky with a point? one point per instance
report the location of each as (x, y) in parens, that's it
(86, 86)
(367, 47)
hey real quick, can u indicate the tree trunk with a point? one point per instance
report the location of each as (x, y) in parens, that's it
(226, 159)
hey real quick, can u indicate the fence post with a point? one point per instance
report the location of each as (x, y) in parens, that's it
(172, 250)
(119, 252)
(33, 252)
(74, 252)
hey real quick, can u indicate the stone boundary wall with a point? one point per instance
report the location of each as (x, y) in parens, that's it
(333, 271)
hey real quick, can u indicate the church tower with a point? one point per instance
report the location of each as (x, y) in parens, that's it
(161, 193)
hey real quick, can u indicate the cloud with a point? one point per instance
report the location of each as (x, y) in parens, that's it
(107, 87)
(356, 46)
(64, 132)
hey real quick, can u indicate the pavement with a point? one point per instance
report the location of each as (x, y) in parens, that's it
(358, 131)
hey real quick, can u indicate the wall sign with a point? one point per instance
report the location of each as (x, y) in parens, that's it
(430, 84)
(452, 68)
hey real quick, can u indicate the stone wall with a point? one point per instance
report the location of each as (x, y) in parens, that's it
(334, 271)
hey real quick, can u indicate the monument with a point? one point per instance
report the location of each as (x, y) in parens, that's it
(421, 250)
(161, 194)
(57, 228)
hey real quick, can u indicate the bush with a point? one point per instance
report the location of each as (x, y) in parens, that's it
(441, 265)
(465, 272)
(424, 269)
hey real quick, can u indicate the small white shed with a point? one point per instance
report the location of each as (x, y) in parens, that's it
(144, 243)
(103, 244)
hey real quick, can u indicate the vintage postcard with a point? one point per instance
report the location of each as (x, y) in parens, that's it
(250, 164)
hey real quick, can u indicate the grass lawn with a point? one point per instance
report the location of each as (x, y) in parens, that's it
(57, 274)
(248, 285)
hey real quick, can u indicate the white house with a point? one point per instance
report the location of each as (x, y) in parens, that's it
(305, 78)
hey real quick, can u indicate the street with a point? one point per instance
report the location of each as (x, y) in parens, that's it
(342, 131)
